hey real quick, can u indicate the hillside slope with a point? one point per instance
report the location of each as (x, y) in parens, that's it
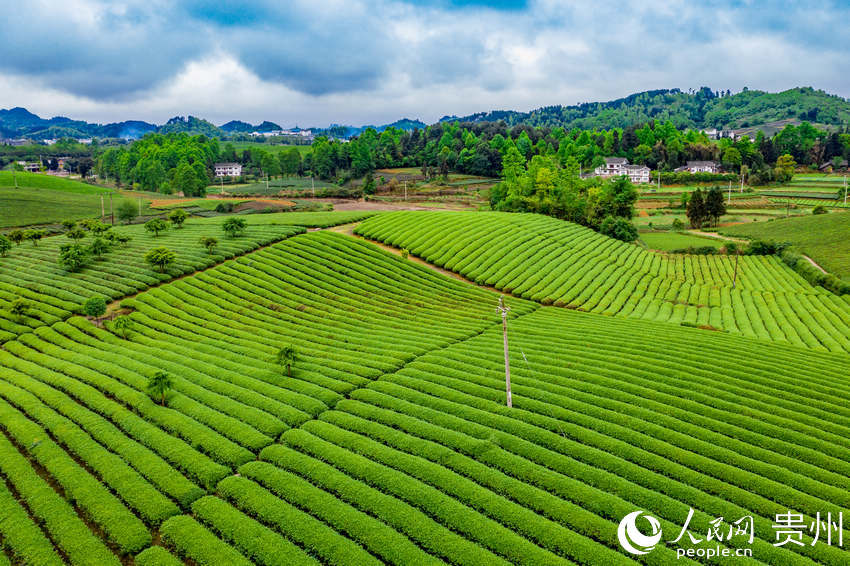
(824, 237)
(391, 443)
(555, 262)
(699, 109)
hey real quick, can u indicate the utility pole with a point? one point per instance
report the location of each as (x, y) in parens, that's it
(102, 211)
(140, 206)
(845, 190)
(405, 189)
(730, 191)
(267, 182)
(222, 185)
(504, 310)
(313, 186)
(742, 181)
(111, 209)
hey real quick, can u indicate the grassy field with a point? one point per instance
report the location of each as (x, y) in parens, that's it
(823, 237)
(44, 199)
(554, 262)
(42, 181)
(666, 241)
(389, 441)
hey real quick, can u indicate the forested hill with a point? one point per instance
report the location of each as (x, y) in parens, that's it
(703, 108)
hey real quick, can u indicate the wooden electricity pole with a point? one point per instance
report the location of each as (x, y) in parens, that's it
(111, 209)
(504, 310)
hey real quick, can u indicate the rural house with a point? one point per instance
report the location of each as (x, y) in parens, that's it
(699, 167)
(227, 169)
(615, 166)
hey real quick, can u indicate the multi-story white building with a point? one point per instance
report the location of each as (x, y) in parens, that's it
(615, 166)
(227, 169)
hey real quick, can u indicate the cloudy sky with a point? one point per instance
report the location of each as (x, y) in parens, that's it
(316, 62)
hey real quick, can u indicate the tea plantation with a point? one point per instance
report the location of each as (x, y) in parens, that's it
(554, 262)
(387, 440)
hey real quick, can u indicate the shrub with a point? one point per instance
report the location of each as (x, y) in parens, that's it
(178, 217)
(619, 228)
(34, 236)
(127, 211)
(234, 226)
(98, 247)
(16, 236)
(160, 258)
(210, 243)
(5, 245)
(819, 209)
(95, 307)
(73, 257)
(156, 226)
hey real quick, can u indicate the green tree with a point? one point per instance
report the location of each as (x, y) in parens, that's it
(69, 225)
(76, 234)
(210, 243)
(785, 166)
(286, 357)
(127, 211)
(619, 228)
(19, 309)
(160, 258)
(98, 247)
(156, 226)
(234, 226)
(95, 307)
(123, 325)
(5, 245)
(178, 217)
(715, 206)
(159, 384)
(696, 211)
(73, 257)
(732, 159)
(34, 236)
(16, 236)
(186, 180)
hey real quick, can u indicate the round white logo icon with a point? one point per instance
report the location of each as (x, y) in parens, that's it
(634, 541)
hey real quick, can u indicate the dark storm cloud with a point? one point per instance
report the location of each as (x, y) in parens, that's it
(115, 55)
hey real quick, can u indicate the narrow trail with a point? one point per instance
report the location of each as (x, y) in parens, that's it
(717, 236)
(814, 263)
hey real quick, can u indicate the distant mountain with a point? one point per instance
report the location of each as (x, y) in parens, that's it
(20, 122)
(339, 131)
(237, 126)
(701, 109)
(191, 125)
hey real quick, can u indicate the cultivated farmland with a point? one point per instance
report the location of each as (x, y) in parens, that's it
(32, 272)
(555, 262)
(391, 443)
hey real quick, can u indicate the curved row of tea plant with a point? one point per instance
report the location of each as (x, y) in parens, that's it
(427, 465)
(555, 262)
(74, 407)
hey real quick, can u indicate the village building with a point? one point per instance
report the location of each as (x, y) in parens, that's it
(227, 169)
(30, 166)
(616, 166)
(698, 167)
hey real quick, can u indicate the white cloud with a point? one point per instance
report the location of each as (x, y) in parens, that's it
(351, 62)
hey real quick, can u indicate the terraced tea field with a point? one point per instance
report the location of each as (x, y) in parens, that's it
(391, 442)
(33, 273)
(555, 262)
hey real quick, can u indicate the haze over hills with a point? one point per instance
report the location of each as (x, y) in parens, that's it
(699, 109)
